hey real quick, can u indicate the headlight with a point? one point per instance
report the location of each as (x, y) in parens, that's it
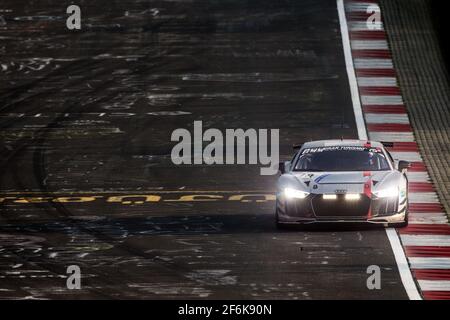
(352, 196)
(295, 194)
(387, 193)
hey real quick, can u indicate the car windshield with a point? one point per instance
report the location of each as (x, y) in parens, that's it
(341, 158)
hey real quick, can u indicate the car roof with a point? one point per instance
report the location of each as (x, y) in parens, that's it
(343, 142)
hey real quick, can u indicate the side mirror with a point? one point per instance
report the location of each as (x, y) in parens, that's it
(403, 165)
(284, 167)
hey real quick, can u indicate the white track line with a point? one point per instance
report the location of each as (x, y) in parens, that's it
(423, 197)
(435, 285)
(377, 82)
(429, 263)
(428, 218)
(380, 100)
(360, 6)
(362, 26)
(387, 118)
(403, 266)
(408, 156)
(400, 258)
(426, 240)
(418, 176)
(369, 45)
(392, 136)
(369, 63)
(362, 133)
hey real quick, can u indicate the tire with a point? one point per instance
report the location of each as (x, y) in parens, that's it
(406, 222)
(403, 224)
(399, 225)
(278, 224)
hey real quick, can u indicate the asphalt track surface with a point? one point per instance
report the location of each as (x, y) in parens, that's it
(86, 118)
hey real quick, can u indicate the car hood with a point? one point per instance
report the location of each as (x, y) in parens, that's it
(332, 182)
(341, 177)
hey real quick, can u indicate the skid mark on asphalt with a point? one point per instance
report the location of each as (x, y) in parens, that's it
(289, 74)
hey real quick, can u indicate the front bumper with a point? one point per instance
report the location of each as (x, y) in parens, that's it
(396, 218)
(313, 210)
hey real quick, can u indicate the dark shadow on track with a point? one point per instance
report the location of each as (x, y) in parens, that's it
(182, 225)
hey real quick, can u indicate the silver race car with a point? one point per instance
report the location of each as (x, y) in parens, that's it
(342, 181)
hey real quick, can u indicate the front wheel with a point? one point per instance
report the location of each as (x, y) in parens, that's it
(403, 224)
(278, 224)
(399, 225)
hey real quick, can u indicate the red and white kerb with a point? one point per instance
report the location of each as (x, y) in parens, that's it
(427, 239)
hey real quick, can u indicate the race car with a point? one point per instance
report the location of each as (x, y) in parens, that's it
(342, 181)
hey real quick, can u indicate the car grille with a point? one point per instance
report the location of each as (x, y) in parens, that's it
(340, 207)
(300, 207)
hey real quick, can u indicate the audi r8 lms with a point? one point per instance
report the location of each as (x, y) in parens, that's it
(342, 181)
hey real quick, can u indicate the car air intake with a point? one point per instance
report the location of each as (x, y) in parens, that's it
(340, 207)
